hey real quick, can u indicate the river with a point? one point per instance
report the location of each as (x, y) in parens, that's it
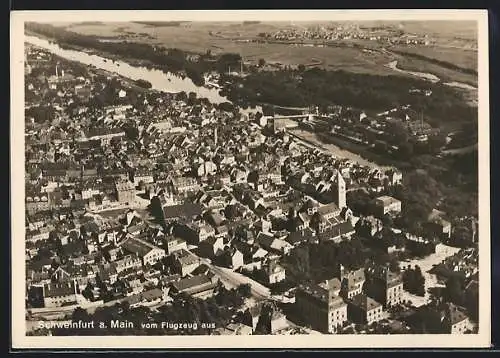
(430, 77)
(427, 76)
(161, 81)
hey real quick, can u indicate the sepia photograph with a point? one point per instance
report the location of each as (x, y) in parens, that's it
(300, 178)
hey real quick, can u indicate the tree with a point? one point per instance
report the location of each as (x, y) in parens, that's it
(398, 131)
(301, 68)
(419, 282)
(245, 290)
(394, 265)
(262, 62)
(87, 292)
(405, 150)
(191, 98)
(387, 220)
(453, 291)
(181, 96)
(414, 281)
(131, 132)
(80, 314)
(436, 142)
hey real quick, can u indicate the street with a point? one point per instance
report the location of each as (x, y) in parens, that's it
(234, 279)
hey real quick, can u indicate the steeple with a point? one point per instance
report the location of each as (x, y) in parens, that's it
(341, 191)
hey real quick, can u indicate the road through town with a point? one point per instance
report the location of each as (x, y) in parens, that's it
(234, 279)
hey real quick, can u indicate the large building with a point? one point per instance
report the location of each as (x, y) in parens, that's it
(149, 253)
(125, 191)
(385, 286)
(59, 294)
(363, 309)
(321, 307)
(200, 286)
(387, 204)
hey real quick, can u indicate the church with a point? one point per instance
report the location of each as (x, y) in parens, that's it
(329, 217)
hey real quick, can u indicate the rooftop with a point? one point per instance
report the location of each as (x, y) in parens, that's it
(364, 302)
(191, 282)
(138, 246)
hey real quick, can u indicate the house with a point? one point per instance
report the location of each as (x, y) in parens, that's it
(144, 176)
(149, 253)
(62, 274)
(233, 258)
(125, 191)
(395, 177)
(295, 238)
(363, 309)
(439, 226)
(133, 287)
(236, 329)
(37, 203)
(272, 244)
(351, 282)
(185, 210)
(239, 175)
(104, 134)
(211, 246)
(195, 232)
(128, 262)
(384, 286)
(108, 273)
(329, 211)
(154, 296)
(387, 205)
(251, 316)
(59, 294)
(445, 318)
(274, 272)
(277, 322)
(455, 321)
(200, 286)
(165, 281)
(173, 244)
(472, 299)
(321, 307)
(185, 262)
(335, 231)
(258, 254)
(183, 185)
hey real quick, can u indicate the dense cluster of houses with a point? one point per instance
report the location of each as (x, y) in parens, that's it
(349, 32)
(140, 202)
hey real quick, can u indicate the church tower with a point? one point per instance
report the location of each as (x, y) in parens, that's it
(341, 191)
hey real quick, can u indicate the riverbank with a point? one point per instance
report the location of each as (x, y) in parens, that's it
(162, 81)
(426, 76)
(310, 139)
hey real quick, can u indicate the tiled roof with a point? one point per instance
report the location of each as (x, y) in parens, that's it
(364, 302)
(191, 282)
(59, 289)
(182, 210)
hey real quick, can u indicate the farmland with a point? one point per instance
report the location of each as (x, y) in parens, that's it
(455, 45)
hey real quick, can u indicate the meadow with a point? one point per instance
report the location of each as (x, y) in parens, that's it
(453, 45)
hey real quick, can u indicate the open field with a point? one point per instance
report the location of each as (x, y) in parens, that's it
(219, 37)
(444, 74)
(465, 58)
